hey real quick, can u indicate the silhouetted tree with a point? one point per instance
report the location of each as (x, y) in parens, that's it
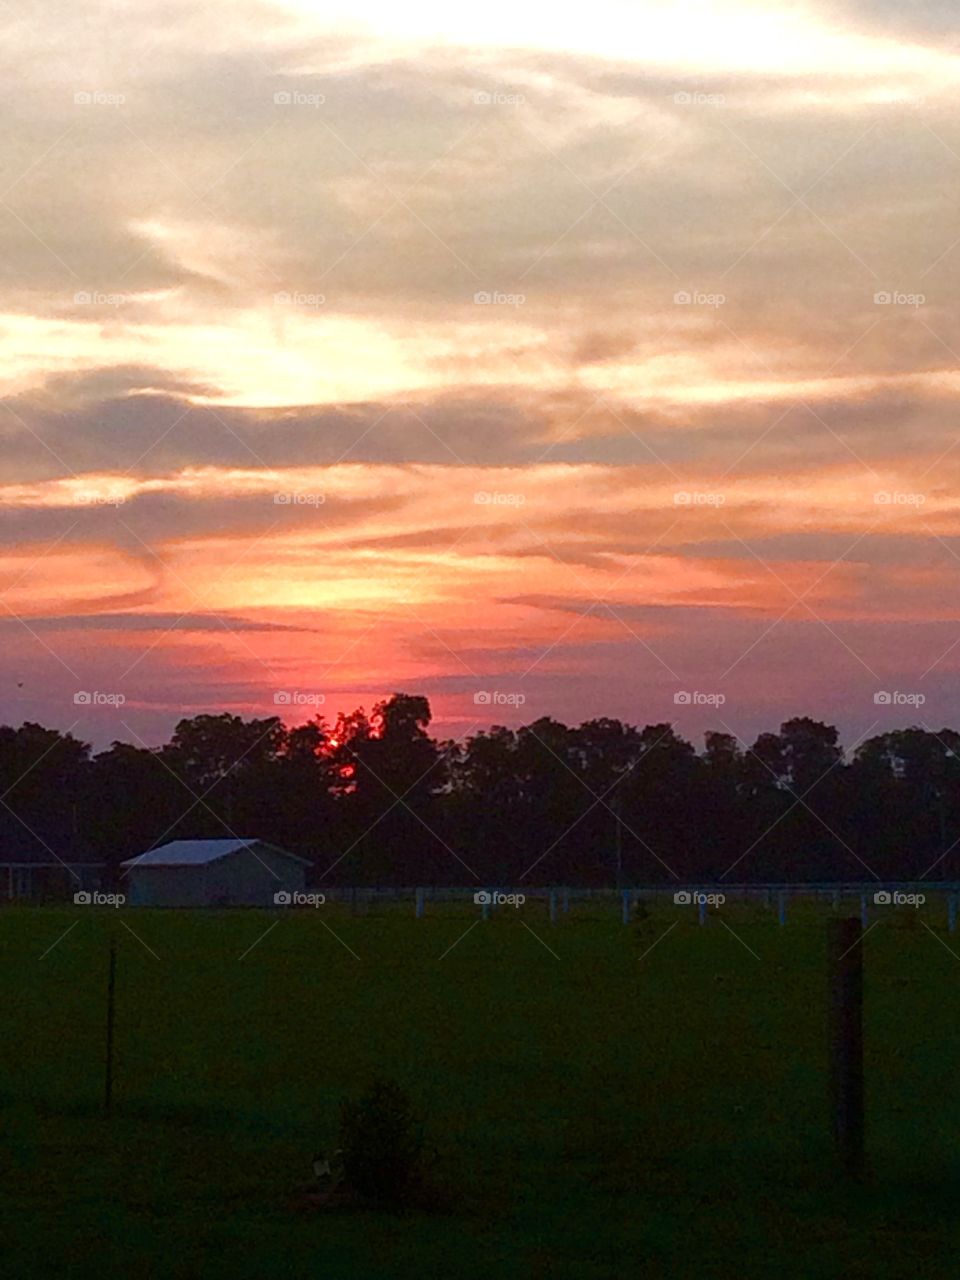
(377, 798)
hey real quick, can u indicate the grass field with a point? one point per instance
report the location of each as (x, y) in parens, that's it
(600, 1114)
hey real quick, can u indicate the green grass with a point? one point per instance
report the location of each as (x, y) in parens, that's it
(601, 1115)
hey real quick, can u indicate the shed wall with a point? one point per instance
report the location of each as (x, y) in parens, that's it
(247, 877)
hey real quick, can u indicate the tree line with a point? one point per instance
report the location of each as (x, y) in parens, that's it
(377, 799)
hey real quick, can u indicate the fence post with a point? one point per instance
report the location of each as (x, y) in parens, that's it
(625, 907)
(111, 1003)
(485, 908)
(845, 954)
(553, 906)
(419, 900)
(703, 908)
(782, 907)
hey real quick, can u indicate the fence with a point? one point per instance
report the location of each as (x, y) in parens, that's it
(558, 901)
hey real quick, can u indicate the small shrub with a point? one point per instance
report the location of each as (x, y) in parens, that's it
(382, 1145)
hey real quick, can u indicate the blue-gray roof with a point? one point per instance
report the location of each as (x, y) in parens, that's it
(197, 853)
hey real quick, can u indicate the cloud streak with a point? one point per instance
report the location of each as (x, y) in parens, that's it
(381, 347)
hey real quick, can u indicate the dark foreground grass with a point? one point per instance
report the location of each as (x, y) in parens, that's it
(599, 1115)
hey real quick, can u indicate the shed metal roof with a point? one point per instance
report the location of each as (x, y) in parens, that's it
(198, 853)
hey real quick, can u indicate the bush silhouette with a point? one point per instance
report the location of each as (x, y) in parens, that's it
(382, 1144)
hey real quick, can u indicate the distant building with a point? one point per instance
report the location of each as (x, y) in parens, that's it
(44, 865)
(211, 873)
(34, 870)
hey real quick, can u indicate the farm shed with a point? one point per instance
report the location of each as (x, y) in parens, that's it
(211, 873)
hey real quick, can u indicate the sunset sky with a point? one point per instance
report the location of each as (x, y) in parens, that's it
(585, 357)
